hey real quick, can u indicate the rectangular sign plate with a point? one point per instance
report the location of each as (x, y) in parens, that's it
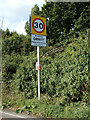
(38, 25)
(38, 40)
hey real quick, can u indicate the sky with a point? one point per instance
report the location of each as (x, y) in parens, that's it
(15, 13)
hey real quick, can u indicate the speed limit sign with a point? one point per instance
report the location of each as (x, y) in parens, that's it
(38, 38)
(38, 25)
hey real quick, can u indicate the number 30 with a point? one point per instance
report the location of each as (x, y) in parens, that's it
(36, 25)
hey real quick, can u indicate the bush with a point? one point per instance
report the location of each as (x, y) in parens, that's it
(62, 75)
(10, 65)
(25, 79)
(16, 44)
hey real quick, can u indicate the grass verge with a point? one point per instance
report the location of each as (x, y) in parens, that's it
(46, 107)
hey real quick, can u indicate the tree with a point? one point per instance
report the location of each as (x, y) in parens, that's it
(27, 27)
(63, 16)
(83, 21)
(7, 32)
(35, 10)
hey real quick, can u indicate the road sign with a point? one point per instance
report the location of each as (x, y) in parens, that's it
(38, 25)
(38, 40)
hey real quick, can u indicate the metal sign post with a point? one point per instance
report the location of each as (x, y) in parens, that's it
(38, 60)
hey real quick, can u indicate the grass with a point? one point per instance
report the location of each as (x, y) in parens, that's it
(46, 107)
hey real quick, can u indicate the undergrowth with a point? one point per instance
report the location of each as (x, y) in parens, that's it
(46, 107)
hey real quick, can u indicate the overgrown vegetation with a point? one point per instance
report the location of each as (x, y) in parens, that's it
(64, 74)
(46, 107)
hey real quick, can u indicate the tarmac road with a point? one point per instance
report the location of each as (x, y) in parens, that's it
(10, 115)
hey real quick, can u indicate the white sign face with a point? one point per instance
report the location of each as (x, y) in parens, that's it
(38, 40)
(38, 25)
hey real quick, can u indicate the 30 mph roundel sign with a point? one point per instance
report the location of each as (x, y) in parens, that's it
(38, 25)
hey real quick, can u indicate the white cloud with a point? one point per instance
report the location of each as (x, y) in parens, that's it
(16, 13)
(20, 27)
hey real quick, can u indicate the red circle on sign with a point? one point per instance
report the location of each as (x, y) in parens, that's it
(42, 22)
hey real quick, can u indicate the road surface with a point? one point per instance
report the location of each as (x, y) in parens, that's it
(10, 115)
